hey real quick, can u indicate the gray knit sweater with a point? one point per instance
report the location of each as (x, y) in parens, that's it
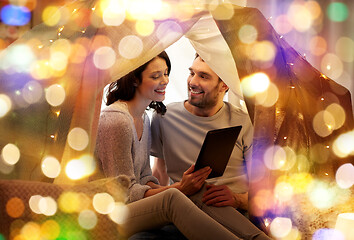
(119, 150)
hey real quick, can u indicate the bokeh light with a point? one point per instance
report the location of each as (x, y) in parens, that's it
(78, 139)
(32, 230)
(41, 70)
(47, 206)
(5, 105)
(248, 34)
(337, 11)
(269, 97)
(80, 168)
(275, 158)
(323, 123)
(300, 17)
(255, 83)
(282, 24)
(145, 27)
(283, 191)
(51, 16)
(332, 66)
(327, 234)
(114, 14)
(55, 95)
(119, 213)
(318, 45)
(141, 9)
(15, 15)
(58, 61)
(343, 145)
(87, 219)
(50, 229)
(168, 31)
(18, 58)
(321, 195)
(69, 202)
(345, 176)
(32, 92)
(34, 203)
(345, 49)
(103, 203)
(223, 11)
(51, 167)
(15, 207)
(10, 154)
(263, 51)
(281, 227)
(130, 47)
(104, 57)
(337, 113)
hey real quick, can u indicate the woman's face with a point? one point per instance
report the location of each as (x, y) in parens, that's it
(154, 80)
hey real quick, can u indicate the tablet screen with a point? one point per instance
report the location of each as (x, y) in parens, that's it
(216, 150)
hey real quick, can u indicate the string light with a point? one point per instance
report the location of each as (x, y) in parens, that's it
(322, 99)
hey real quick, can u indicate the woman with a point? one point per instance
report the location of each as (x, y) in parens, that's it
(123, 144)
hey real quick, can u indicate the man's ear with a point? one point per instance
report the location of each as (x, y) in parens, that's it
(224, 87)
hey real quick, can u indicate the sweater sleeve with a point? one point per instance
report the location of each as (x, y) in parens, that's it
(114, 149)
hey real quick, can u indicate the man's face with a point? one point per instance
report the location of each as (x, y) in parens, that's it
(204, 86)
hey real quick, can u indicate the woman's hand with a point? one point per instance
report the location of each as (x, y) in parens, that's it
(192, 181)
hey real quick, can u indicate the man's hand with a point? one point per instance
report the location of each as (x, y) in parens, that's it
(219, 196)
(192, 181)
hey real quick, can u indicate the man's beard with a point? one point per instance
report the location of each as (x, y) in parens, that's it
(205, 102)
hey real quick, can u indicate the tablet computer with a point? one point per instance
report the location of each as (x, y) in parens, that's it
(216, 150)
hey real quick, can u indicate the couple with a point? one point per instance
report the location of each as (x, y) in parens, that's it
(123, 148)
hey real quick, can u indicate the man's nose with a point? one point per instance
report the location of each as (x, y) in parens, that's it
(193, 81)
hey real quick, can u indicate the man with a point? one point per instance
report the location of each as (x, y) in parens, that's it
(178, 135)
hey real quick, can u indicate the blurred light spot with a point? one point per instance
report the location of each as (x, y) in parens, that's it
(269, 97)
(78, 139)
(259, 200)
(319, 153)
(255, 83)
(327, 234)
(323, 123)
(282, 24)
(145, 27)
(32, 92)
(87, 219)
(318, 45)
(130, 47)
(5, 105)
(61, 45)
(51, 16)
(168, 32)
(103, 203)
(15, 207)
(80, 168)
(300, 17)
(263, 51)
(141, 9)
(34, 203)
(50, 229)
(300, 182)
(10, 154)
(338, 114)
(15, 15)
(337, 12)
(274, 158)
(31, 230)
(55, 95)
(41, 70)
(345, 176)
(104, 57)
(314, 8)
(114, 14)
(302, 163)
(5, 168)
(69, 202)
(283, 191)
(294, 234)
(344, 224)
(343, 145)
(119, 213)
(51, 167)
(223, 11)
(47, 206)
(58, 61)
(345, 49)
(280, 227)
(18, 57)
(248, 34)
(321, 195)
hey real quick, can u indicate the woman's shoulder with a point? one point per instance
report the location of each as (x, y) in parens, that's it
(116, 115)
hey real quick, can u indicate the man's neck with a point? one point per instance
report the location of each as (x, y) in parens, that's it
(203, 112)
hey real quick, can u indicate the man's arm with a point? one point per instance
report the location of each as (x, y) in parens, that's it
(159, 170)
(221, 195)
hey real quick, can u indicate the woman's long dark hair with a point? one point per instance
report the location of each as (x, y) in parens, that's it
(125, 87)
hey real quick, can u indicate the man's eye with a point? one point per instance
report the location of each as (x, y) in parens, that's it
(191, 73)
